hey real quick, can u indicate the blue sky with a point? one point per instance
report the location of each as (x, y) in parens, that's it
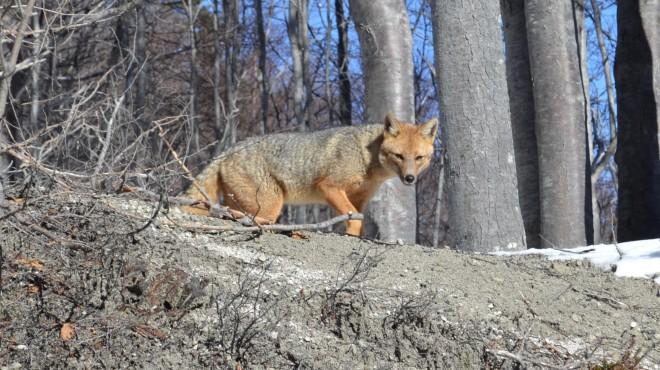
(419, 15)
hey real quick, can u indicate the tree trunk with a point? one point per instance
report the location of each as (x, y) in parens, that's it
(141, 60)
(326, 64)
(559, 121)
(264, 89)
(591, 215)
(637, 76)
(192, 11)
(480, 173)
(521, 103)
(386, 53)
(8, 66)
(37, 46)
(440, 199)
(217, 76)
(297, 30)
(232, 49)
(345, 103)
(603, 161)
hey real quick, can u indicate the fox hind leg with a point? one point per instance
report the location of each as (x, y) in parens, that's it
(263, 201)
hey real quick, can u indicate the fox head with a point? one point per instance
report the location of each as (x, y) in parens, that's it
(407, 148)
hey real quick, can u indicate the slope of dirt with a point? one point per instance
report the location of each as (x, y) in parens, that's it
(97, 282)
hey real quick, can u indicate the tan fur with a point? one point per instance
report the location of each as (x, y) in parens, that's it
(342, 167)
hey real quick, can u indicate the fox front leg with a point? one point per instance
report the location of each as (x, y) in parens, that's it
(338, 200)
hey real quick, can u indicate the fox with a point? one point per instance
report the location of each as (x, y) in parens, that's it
(342, 167)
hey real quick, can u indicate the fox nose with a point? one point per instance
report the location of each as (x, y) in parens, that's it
(409, 179)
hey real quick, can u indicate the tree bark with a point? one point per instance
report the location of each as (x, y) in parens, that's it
(386, 53)
(8, 66)
(297, 30)
(192, 12)
(36, 77)
(480, 173)
(559, 121)
(232, 49)
(440, 199)
(141, 60)
(326, 64)
(637, 78)
(264, 89)
(521, 103)
(345, 103)
(602, 162)
(217, 77)
(591, 215)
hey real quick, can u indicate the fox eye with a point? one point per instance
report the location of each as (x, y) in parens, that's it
(419, 157)
(398, 156)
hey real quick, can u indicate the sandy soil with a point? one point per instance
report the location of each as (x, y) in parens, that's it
(95, 282)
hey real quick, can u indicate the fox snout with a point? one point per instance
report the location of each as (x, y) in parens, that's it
(409, 179)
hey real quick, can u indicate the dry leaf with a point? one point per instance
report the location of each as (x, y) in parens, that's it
(298, 235)
(67, 332)
(16, 200)
(126, 189)
(31, 263)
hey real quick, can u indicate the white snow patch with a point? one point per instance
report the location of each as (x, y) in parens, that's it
(512, 245)
(639, 259)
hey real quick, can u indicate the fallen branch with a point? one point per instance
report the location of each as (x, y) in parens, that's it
(275, 227)
(234, 215)
(602, 298)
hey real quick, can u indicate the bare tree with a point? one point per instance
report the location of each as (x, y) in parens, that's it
(345, 103)
(386, 52)
(637, 78)
(232, 50)
(604, 159)
(559, 121)
(521, 103)
(263, 71)
(218, 111)
(192, 12)
(140, 64)
(37, 48)
(480, 173)
(591, 217)
(326, 61)
(297, 30)
(9, 65)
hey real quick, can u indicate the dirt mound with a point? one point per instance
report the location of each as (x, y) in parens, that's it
(91, 281)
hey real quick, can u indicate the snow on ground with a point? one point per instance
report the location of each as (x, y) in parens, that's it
(633, 259)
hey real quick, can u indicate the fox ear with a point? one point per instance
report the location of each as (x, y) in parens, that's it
(392, 125)
(430, 128)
